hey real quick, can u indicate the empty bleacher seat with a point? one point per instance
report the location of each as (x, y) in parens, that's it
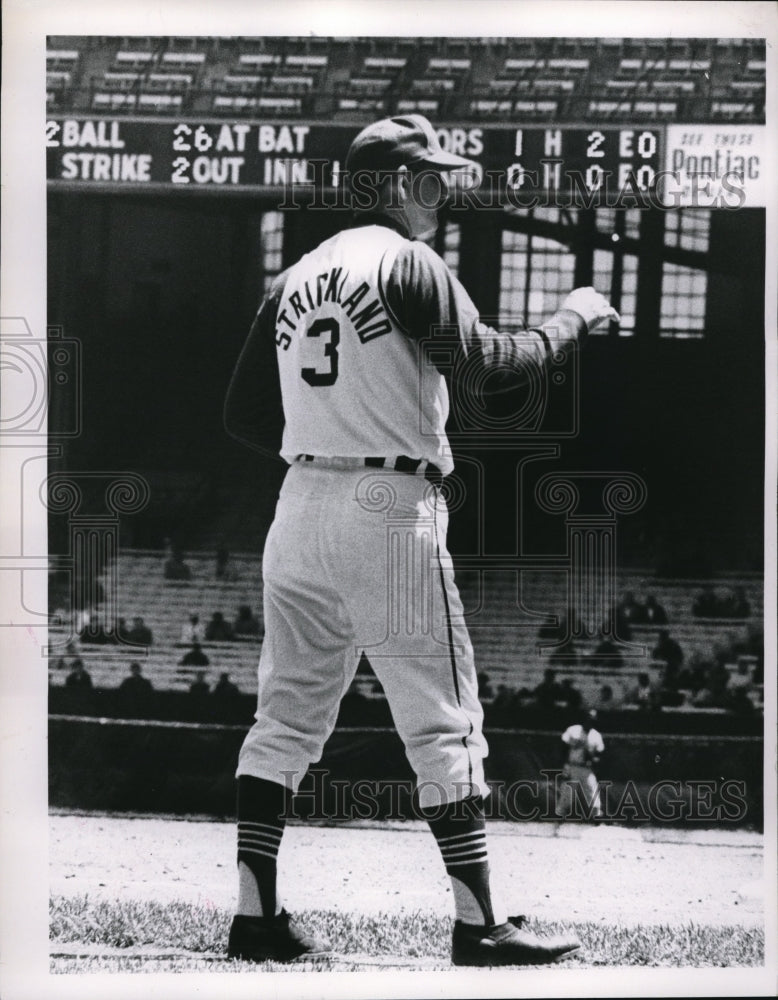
(58, 79)
(189, 59)
(673, 88)
(61, 58)
(553, 86)
(160, 102)
(432, 85)
(370, 85)
(426, 106)
(168, 81)
(609, 109)
(361, 104)
(134, 59)
(112, 101)
(499, 86)
(538, 109)
(241, 83)
(259, 60)
(747, 88)
(733, 110)
(223, 102)
(117, 80)
(656, 109)
(280, 104)
(290, 84)
(385, 64)
(452, 66)
(306, 61)
(572, 66)
(516, 67)
(486, 106)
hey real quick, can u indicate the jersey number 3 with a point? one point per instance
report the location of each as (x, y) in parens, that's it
(331, 330)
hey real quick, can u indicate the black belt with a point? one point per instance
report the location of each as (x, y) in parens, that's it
(402, 463)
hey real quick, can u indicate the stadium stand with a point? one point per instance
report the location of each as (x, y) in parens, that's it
(504, 633)
(353, 78)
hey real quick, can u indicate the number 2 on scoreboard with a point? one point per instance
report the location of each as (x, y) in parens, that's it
(595, 140)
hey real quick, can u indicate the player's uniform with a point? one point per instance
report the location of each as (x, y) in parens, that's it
(356, 557)
(344, 376)
(580, 779)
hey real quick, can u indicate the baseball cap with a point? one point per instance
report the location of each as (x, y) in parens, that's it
(405, 140)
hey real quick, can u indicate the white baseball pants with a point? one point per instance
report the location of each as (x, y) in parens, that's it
(356, 560)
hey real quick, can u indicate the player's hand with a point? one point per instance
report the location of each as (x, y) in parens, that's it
(592, 307)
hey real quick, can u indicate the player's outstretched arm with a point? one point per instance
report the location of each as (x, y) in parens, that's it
(582, 311)
(431, 305)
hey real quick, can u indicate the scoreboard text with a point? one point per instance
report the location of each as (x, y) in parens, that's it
(266, 157)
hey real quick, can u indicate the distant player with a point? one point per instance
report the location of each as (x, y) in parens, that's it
(580, 789)
(339, 377)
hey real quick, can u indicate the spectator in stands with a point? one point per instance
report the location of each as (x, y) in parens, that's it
(571, 696)
(224, 690)
(78, 679)
(226, 702)
(93, 631)
(565, 655)
(713, 692)
(741, 687)
(706, 604)
(135, 692)
(605, 700)
(654, 613)
(192, 631)
(644, 694)
(727, 649)
(199, 688)
(630, 610)
(195, 657)
(567, 625)
(621, 623)
(175, 566)
(246, 623)
(606, 654)
(736, 604)
(224, 568)
(218, 630)
(70, 659)
(693, 674)
(669, 652)
(140, 634)
(548, 692)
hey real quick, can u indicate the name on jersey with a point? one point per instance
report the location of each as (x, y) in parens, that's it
(368, 318)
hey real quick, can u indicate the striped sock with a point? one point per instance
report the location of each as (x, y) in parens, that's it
(461, 836)
(261, 822)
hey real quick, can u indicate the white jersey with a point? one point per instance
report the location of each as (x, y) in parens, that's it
(583, 745)
(353, 383)
(351, 349)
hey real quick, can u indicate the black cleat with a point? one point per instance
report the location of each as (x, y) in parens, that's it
(259, 939)
(506, 944)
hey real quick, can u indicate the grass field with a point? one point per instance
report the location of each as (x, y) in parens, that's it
(102, 936)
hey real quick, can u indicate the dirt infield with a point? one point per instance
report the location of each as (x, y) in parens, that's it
(554, 872)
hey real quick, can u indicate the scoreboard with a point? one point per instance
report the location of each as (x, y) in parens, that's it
(514, 163)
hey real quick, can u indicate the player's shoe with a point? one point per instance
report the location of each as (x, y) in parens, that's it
(258, 939)
(506, 944)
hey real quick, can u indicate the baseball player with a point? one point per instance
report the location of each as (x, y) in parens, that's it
(340, 376)
(584, 748)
